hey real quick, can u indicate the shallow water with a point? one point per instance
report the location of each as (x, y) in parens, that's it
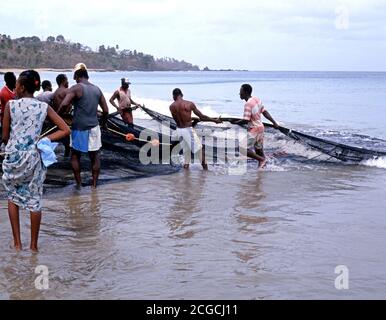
(276, 233)
(204, 235)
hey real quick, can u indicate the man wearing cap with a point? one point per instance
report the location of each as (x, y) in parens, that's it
(85, 133)
(123, 95)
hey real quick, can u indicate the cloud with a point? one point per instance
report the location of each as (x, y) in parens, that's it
(241, 34)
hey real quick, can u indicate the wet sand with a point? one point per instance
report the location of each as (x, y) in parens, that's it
(197, 235)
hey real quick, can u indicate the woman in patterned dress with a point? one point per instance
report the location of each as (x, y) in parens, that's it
(23, 170)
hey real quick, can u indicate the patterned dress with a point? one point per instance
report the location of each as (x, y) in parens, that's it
(23, 170)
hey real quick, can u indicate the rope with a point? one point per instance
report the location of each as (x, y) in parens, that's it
(135, 138)
(322, 153)
(47, 132)
(40, 137)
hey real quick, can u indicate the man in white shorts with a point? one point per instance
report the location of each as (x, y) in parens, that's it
(85, 131)
(181, 111)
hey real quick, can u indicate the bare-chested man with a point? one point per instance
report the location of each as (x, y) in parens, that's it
(123, 95)
(60, 93)
(57, 100)
(181, 111)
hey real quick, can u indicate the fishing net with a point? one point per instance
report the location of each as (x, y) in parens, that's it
(333, 149)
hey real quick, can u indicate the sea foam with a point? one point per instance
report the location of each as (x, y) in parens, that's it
(378, 163)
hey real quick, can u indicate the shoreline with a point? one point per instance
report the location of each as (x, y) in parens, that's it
(63, 70)
(19, 70)
(68, 70)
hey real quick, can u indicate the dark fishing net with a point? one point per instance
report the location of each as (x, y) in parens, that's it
(333, 149)
(120, 161)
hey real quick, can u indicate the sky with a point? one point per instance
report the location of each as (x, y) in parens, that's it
(316, 35)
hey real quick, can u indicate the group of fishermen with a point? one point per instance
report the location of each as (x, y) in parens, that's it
(80, 104)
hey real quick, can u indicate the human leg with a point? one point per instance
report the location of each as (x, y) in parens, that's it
(95, 166)
(202, 158)
(13, 212)
(35, 227)
(75, 163)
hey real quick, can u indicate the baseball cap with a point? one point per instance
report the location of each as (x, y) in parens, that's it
(125, 81)
(80, 66)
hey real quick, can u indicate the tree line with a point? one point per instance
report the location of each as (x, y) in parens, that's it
(59, 53)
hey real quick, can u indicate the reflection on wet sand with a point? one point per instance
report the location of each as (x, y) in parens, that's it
(248, 215)
(84, 218)
(80, 206)
(79, 218)
(84, 247)
(187, 200)
(19, 272)
(250, 198)
(203, 235)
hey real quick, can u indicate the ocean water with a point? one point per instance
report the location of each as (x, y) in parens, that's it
(277, 233)
(353, 101)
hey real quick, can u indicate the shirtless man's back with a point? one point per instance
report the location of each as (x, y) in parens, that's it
(181, 111)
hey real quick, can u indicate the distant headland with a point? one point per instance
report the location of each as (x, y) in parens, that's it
(57, 53)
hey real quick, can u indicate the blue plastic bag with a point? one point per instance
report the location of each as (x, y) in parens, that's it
(47, 151)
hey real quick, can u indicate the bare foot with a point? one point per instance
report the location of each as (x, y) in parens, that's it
(34, 249)
(262, 164)
(17, 247)
(204, 166)
(186, 166)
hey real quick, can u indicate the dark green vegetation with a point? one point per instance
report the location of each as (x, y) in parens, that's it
(58, 53)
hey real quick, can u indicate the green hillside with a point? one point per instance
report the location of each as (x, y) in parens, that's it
(58, 53)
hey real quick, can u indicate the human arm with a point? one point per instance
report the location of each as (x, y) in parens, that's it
(269, 117)
(6, 124)
(134, 103)
(112, 99)
(68, 109)
(239, 122)
(105, 109)
(73, 92)
(63, 129)
(172, 112)
(246, 116)
(2, 104)
(203, 117)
